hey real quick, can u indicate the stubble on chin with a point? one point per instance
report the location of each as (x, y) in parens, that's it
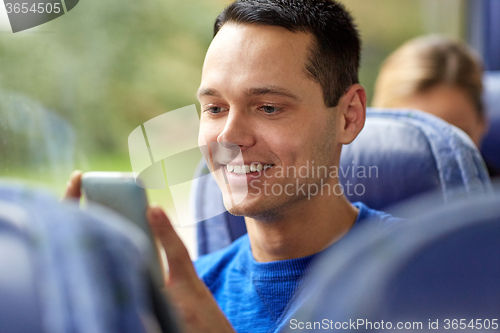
(264, 215)
(265, 209)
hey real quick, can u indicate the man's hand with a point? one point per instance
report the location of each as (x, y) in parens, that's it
(194, 302)
(199, 310)
(74, 186)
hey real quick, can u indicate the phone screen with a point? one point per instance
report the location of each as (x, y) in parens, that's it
(119, 192)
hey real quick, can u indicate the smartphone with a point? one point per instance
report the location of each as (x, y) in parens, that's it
(119, 192)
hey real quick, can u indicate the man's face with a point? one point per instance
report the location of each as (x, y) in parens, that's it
(255, 93)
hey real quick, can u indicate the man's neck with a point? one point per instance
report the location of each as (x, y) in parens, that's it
(306, 229)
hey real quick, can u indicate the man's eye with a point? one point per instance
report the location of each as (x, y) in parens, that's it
(214, 109)
(269, 109)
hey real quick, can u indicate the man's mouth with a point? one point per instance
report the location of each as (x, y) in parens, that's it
(244, 169)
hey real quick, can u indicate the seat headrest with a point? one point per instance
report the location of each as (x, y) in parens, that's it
(402, 153)
(19, 311)
(63, 267)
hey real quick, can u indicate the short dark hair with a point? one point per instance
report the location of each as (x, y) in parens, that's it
(333, 59)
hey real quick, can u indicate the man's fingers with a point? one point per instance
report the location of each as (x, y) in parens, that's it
(73, 186)
(179, 262)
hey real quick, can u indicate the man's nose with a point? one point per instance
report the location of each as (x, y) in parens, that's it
(238, 129)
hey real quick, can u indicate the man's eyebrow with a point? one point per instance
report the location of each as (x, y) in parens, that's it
(252, 92)
(272, 91)
(207, 92)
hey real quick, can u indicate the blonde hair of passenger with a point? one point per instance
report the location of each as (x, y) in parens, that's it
(427, 62)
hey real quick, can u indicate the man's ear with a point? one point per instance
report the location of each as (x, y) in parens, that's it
(352, 113)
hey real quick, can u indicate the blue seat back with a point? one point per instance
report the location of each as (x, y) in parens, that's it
(399, 154)
(65, 270)
(443, 264)
(19, 309)
(403, 153)
(490, 147)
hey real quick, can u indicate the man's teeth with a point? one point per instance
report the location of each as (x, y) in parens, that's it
(244, 169)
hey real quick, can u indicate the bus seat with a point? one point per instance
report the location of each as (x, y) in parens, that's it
(408, 153)
(66, 270)
(441, 265)
(19, 311)
(490, 147)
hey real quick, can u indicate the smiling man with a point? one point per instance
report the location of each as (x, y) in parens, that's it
(257, 93)
(280, 83)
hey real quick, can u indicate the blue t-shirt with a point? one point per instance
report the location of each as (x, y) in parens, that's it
(255, 295)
